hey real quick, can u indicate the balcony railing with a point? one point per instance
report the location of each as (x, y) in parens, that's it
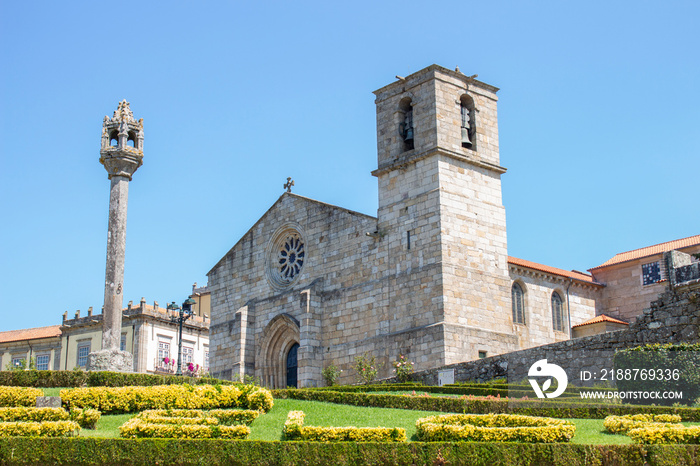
(162, 368)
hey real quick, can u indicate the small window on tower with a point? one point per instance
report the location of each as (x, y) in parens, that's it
(131, 142)
(406, 130)
(651, 273)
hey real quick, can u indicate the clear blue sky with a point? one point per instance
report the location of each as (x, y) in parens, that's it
(599, 118)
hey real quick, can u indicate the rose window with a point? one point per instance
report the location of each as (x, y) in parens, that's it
(286, 254)
(291, 258)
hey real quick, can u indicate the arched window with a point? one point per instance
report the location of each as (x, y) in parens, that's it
(406, 129)
(468, 125)
(558, 320)
(518, 304)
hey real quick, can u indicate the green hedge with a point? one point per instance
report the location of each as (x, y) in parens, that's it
(503, 390)
(485, 406)
(683, 357)
(94, 451)
(227, 417)
(53, 379)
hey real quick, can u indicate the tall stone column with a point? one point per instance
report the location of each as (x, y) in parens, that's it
(121, 154)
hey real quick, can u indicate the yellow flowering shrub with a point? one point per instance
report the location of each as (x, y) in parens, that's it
(87, 418)
(665, 433)
(39, 429)
(222, 416)
(260, 399)
(139, 428)
(623, 424)
(32, 414)
(113, 400)
(294, 429)
(19, 396)
(493, 428)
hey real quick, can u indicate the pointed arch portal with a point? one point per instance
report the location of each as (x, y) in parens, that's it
(279, 352)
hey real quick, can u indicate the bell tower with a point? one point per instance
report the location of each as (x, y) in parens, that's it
(121, 153)
(440, 207)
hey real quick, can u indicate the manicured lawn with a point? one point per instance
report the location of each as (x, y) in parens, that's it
(52, 391)
(269, 426)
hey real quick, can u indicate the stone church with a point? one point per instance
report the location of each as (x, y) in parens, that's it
(312, 284)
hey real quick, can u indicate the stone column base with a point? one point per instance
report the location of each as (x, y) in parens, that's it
(110, 360)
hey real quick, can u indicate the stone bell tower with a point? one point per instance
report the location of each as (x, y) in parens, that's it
(121, 154)
(440, 208)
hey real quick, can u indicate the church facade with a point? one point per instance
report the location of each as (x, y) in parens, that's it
(311, 284)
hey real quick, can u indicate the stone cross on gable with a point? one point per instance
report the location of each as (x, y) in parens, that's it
(288, 185)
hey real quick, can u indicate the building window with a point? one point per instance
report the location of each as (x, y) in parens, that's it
(518, 304)
(651, 273)
(482, 354)
(17, 362)
(122, 343)
(83, 351)
(206, 359)
(558, 312)
(163, 350)
(187, 354)
(42, 362)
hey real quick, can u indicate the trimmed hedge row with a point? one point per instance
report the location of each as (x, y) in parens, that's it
(138, 428)
(493, 428)
(623, 424)
(115, 400)
(86, 418)
(39, 429)
(56, 379)
(294, 429)
(222, 416)
(485, 406)
(514, 391)
(16, 396)
(112, 452)
(665, 433)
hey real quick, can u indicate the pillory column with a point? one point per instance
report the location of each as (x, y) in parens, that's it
(121, 154)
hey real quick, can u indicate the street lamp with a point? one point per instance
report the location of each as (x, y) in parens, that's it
(183, 313)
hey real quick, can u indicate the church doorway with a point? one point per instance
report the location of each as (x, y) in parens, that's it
(278, 355)
(292, 366)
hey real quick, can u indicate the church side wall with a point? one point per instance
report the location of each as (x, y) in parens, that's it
(673, 318)
(537, 295)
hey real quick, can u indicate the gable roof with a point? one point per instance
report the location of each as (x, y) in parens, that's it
(279, 200)
(582, 277)
(651, 251)
(601, 318)
(30, 333)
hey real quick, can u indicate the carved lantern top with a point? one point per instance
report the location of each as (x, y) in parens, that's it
(122, 142)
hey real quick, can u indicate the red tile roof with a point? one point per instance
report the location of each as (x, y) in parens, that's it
(601, 318)
(30, 333)
(651, 250)
(582, 277)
